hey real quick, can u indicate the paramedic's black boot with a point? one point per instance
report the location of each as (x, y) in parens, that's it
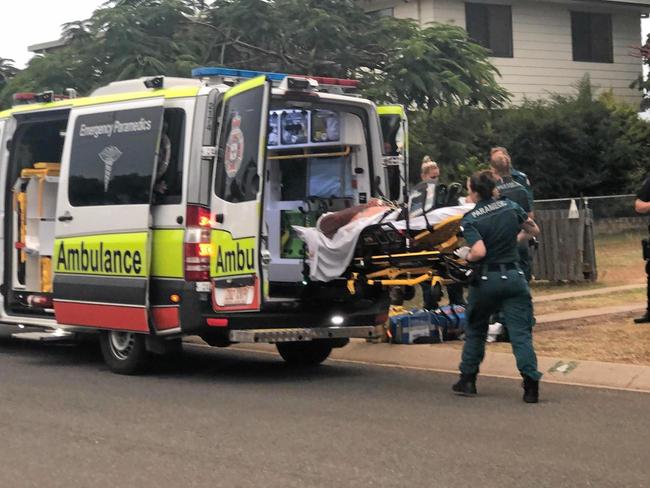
(466, 386)
(531, 390)
(645, 319)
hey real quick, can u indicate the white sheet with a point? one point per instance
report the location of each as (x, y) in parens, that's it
(329, 258)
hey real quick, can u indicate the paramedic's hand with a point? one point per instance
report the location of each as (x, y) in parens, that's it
(462, 252)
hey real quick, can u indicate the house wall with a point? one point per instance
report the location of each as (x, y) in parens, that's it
(543, 56)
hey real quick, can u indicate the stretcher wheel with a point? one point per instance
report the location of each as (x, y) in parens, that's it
(123, 352)
(436, 293)
(308, 353)
(409, 293)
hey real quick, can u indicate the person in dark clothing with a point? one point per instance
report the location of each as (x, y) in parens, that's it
(642, 206)
(519, 176)
(491, 231)
(509, 188)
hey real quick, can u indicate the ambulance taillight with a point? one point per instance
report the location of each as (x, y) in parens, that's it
(198, 246)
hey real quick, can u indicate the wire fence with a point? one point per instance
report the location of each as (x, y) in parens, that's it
(610, 213)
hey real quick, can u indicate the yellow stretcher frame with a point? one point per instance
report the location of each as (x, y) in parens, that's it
(447, 240)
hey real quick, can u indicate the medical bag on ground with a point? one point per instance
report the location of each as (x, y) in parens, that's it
(411, 328)
(450, 321)
(428, 327)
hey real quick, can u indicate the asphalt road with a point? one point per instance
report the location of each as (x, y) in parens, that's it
(238, 419)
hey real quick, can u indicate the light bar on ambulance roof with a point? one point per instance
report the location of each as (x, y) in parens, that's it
(208, 72)
(218, 71)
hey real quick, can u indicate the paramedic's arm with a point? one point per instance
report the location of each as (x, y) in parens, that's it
(531, 204)
(530, 227)
(642, 203)
(641, 207)
(477, 250)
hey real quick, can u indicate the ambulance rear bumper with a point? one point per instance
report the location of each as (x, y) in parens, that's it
(273, 336)
(340, 320)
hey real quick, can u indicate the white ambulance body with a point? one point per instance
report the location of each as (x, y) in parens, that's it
(163, 207)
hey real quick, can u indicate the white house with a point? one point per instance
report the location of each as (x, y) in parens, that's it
(545, 46)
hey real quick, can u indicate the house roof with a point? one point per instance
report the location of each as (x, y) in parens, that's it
(44, 46)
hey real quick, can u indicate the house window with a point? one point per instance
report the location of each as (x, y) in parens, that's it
(592, 37)
(384, 12)
(491, 27)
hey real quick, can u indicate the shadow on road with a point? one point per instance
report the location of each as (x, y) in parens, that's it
(196, 362)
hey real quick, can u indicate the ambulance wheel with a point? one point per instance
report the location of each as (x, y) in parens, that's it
(308, 353)
(124, 352)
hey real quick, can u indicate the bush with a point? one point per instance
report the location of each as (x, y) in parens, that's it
(569, 145)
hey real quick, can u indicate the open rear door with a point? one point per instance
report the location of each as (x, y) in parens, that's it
(394, 128)
(103, 239)
(237, 198)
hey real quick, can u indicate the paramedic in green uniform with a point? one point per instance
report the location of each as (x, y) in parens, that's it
(506, 185)
(519, 176)
(491, 231)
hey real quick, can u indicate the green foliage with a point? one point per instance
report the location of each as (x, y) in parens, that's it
(569, 146)
(7, 71)
(395, 59)
(437, 65)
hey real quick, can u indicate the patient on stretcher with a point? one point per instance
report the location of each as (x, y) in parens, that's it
(332, 243)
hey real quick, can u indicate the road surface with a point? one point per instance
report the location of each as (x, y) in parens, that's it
(224, 418)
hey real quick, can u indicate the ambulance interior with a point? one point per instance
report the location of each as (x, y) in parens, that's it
(32, 184)
(317, 162)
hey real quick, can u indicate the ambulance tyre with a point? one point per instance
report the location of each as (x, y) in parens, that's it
(123, 352)
(306, 354)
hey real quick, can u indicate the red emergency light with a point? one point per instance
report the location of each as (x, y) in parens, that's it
(324, 80)
(24, 98)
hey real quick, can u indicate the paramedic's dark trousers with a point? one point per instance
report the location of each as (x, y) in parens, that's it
(525, 260)
(512, 297)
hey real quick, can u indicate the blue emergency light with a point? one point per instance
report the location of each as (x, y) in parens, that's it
(235, 73)
(220, 71)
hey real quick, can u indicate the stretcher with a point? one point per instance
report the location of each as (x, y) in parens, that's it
(380, 245)
(388, 256)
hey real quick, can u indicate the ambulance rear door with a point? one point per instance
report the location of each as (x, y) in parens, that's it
(394, 128)
(237, 198)
(102, 251)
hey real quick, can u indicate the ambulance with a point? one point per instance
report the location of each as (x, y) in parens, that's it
(160, 207)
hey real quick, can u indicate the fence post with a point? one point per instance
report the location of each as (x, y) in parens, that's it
(590, 269)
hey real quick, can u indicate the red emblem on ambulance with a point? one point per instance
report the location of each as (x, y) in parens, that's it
(234, 147)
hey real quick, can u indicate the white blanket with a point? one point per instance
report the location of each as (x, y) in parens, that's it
(329, 258)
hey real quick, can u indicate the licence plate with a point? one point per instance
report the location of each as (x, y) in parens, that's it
(239, 295)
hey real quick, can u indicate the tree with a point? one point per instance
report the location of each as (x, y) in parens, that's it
(7, 70)
(569, 145)
(395, 59)
(435, 66)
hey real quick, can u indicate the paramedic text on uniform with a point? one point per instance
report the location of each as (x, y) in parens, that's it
(492, 230)
(642, 206)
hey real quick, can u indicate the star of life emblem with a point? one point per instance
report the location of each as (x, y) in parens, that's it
(109, 156)
(234, 148)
